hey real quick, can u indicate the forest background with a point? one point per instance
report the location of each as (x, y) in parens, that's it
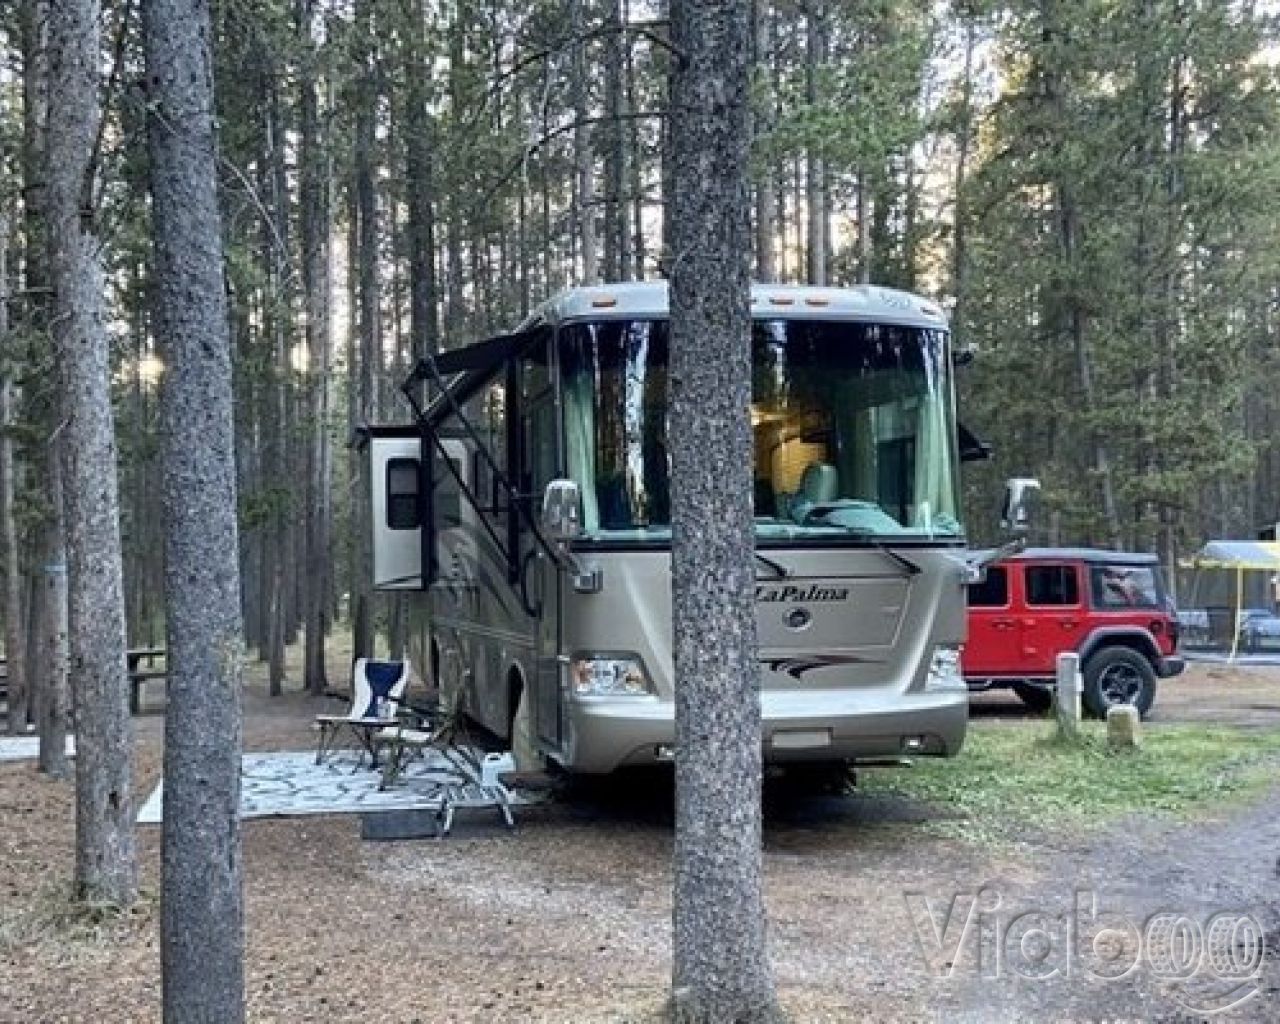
(1089, 186)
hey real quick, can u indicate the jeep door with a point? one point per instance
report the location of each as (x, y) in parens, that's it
(993, 648)
(1054, 618)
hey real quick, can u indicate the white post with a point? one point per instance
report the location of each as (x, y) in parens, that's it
(1068, 691)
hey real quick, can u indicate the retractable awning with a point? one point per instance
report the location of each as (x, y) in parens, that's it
(1238, 554)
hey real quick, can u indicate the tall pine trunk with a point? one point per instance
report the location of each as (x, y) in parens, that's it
(106, 862)
(32, 25)
(368, 308)
(202, 903)
(766, 195)
(17, 699)
(52, 656)
(815, 167)
(583, 151)
(720, 959)
(315, 207)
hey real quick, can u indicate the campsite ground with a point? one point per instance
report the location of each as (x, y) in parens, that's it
(568, 918)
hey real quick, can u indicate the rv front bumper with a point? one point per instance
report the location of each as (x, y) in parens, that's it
(805, 726)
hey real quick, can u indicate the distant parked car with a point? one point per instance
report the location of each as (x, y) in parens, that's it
(1259, 630)
(1109, 607)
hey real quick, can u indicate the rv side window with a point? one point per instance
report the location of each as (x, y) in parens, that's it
(402, 495)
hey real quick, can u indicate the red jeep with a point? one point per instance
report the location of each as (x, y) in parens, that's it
(1107, 606)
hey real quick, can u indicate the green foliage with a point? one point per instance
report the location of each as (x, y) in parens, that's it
(1124, 202)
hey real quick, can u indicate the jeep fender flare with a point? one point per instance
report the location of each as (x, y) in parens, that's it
(1134, 637)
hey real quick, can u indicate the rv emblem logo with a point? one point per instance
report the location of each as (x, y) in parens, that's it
(791, 592)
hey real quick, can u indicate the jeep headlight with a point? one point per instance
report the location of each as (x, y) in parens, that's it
(944, 670)
(602, 675)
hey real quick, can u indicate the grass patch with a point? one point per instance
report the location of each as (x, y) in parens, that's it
(1009, 777)
(50, 915)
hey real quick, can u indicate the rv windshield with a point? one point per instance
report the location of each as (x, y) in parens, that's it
(853, 422)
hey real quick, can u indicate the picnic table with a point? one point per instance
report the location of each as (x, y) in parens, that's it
(139, 674)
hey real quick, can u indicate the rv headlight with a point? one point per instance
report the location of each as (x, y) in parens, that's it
(944, 670)
(608, 676)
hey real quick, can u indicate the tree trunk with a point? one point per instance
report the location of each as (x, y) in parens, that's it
(719, 956)
(815, 169)
(615, 207)
(964, 142)
(17, 699)
(583, 153)
(276, 327)
(202, 903)
(32, 28)
(421, 191)
(636, 164)
(368, 309)
(52, 697)
(766, 219)
(315, 176)
(106, 862)
(865, 251)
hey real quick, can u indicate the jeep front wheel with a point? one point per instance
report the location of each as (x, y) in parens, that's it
(1118, 675)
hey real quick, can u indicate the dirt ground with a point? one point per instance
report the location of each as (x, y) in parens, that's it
(568, 919)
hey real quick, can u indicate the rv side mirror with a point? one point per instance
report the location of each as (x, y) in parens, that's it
(562, 510)
(1019, 493)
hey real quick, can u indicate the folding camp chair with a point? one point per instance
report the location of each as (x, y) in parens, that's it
(419, 727)
(376, 689)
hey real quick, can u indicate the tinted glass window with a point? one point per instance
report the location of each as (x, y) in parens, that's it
(1124, 586)
(402, 494)
(1052, 585)
(448, 508)
(993, 592)
(852, 425)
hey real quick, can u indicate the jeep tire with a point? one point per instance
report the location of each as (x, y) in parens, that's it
(1036, 698)
(1118, 675)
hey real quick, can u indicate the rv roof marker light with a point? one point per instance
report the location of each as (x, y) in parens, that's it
(604, 302)
(817, 300)
(782, 300)
(928, 309)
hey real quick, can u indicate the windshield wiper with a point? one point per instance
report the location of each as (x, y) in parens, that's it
(779, 570)
(911, 568)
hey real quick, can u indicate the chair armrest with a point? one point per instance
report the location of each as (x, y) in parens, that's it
(420, 712)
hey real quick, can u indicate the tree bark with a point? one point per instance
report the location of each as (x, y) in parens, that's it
(17, 699)
(583, 152)
(32, 24)
(720, 959)
(766, 212)
(815, 169)
(106, 861)
(615, 207)
(52, 697)
(964, 142)
(202, 907)
(316, 203)
(369, 312)
(421, 191)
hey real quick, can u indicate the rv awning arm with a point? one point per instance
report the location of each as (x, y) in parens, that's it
(471, 367)
(478, 364)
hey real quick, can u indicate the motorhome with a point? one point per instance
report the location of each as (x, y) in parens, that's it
(527, 506)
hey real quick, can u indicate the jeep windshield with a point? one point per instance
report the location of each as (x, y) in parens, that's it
(853, 424)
